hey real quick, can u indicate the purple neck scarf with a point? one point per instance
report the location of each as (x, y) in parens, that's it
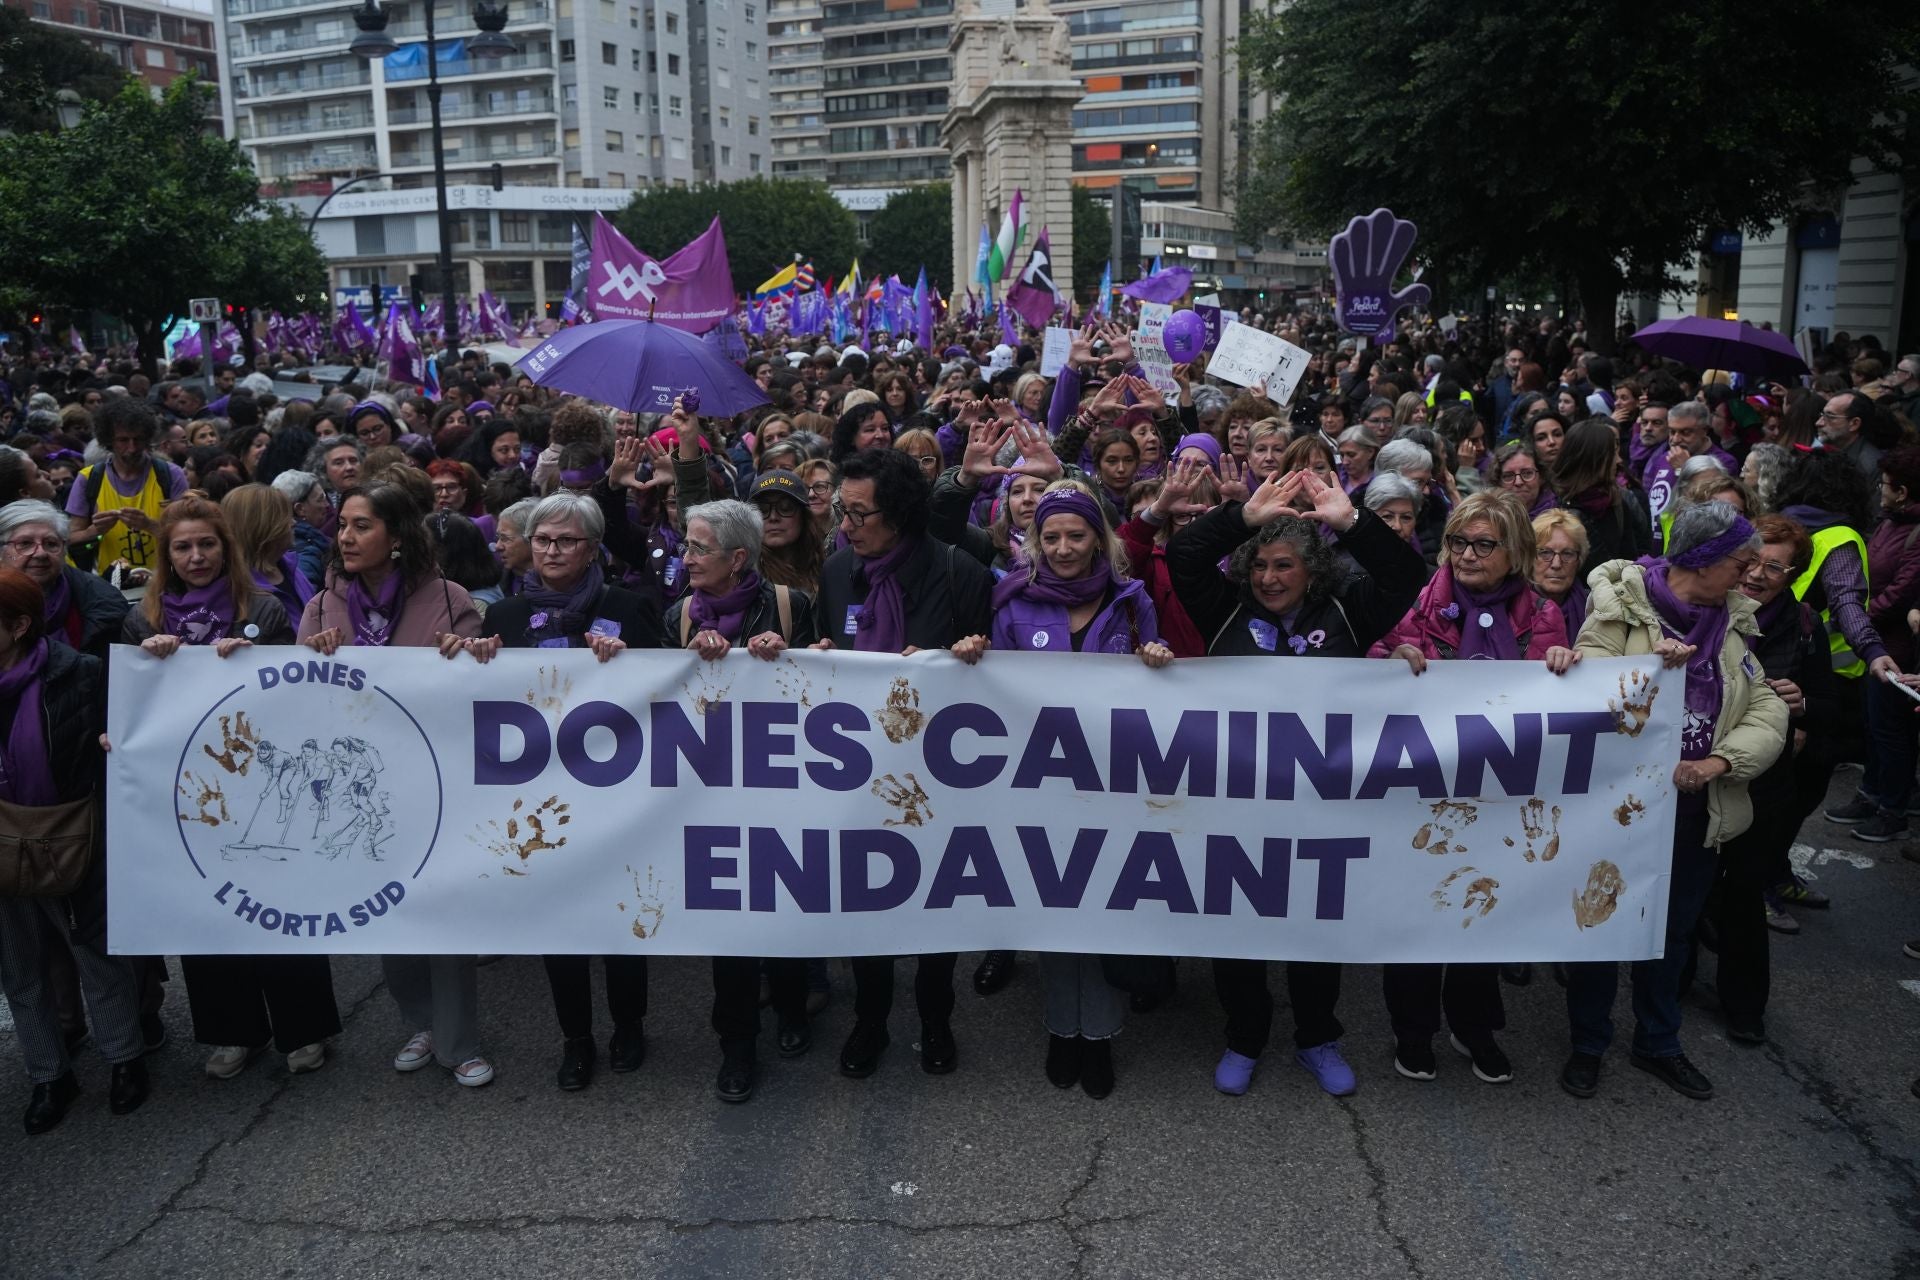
(26, 774)
(883, 618)
(1703, 626)
(1048, 587)
(58, 597)
(199, 615)
(568, 613)
(1574, 610)
(725, 613)
(1770, 616)
(373, 615)
(1494, 638)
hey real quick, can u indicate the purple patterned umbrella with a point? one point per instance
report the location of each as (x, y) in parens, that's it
(641, 366)
(1734, 345)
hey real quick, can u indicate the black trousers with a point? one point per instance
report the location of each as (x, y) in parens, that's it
(932, 987)
(736, 998)
(1417, 994)
(1313, 989)
(1751, 863)
(571, 978)
(249, 1000)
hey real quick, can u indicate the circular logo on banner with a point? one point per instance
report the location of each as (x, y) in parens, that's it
(1039, 639)
(311, 792)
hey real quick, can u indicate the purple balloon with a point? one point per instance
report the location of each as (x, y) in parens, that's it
(1185, 336)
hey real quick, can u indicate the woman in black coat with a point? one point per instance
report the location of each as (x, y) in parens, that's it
(1586, 476)
(567, 603)
(1287, 597)
(58, 759)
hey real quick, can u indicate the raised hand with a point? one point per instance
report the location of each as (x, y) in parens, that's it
(1272, 500)
(1119, 341)
(628, 453)
(984, 442)
(1146, 394)
(1004, 411)
(1036, 452)
(1236, 479)
(1080, 350)
(1330, 504)
(662, 459)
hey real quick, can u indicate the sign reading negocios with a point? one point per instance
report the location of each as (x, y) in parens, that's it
(846, 804)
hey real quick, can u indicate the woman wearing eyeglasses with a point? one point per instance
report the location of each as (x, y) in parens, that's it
(1479, 606)
(1560, 547)
(1521, 474)
(568, 604)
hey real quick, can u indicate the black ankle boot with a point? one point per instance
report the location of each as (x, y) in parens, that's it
(50, 1101)
(1063, 1060)
(129, 1089)
(1096, 1067)
(576, 1064)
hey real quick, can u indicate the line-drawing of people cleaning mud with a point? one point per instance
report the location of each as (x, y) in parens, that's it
(357, 768)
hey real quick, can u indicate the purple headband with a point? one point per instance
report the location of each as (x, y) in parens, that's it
(1204, 443)
(1715, 549)
(1072, 502)
(583, 476)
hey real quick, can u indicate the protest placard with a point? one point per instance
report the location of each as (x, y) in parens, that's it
(1247, 355)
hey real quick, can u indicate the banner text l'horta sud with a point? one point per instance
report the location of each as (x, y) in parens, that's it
(848, 804)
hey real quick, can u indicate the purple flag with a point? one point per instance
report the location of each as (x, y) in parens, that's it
(189, 346)
(1169, 285)
(495, 320)
(1033, 295)
(402, 353)
(923, 312)
(690, 290)
(757, 319)
(1007, 331)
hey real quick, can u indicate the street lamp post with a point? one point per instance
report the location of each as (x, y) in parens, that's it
(374, 42)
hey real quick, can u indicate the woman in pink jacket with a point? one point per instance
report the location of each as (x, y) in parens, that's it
(1479, 606)
(383, 589)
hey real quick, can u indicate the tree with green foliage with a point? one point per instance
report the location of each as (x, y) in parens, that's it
(913, 229)
(38, 61)
(766, 220)
(1599, 143)
(1092, 241)
(138, 208)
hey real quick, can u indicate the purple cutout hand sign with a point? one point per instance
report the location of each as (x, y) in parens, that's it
(1365, 258)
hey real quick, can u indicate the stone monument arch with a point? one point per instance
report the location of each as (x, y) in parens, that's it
(1010, 126)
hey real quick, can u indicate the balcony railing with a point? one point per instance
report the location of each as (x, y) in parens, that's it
(477, 155)
(296, 166)
(302, 84)
(242, 8)
(421, 115)
(267, 129)
(476, 67)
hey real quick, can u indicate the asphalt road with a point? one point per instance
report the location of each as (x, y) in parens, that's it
(1803, 1165)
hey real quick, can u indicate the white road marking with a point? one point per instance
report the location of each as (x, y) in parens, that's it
(1805, 857)
(1912, 985)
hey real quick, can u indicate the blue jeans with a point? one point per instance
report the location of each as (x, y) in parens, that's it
(1656, 983)
(1893, 728)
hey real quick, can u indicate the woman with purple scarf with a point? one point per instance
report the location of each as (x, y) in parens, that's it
(1070, 593)
(53, 702)
(565, 602)
(1688, 609)
(1479, 606)
(382, 590)
(731, 607)
(203, 593)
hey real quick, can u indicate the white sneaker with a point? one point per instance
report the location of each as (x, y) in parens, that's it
(416, 1053)
(473, 1073)
(229, 1060)
(307, 1058)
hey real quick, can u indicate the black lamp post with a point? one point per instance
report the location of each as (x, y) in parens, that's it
(374, 42)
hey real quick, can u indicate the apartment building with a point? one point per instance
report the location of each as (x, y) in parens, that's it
(155, 42)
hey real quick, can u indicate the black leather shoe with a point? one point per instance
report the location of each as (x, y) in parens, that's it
(995, 972)
(1746, 1028)
(795, 1038)
(1063, 1060)
(735, 1081)
(861, 1053)
(576, 1066)
(48, 1106)
(1677, 1074)
(1581, 1076)
(129, 1089)
(627, 1049)
(938, 1053)
(1096, 1067)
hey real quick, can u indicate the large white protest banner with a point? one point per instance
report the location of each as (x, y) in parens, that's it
(846, 804)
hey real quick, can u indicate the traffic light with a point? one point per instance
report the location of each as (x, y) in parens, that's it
(499, 177)
(34, 320)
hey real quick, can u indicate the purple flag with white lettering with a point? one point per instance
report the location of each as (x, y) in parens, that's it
(690, 290)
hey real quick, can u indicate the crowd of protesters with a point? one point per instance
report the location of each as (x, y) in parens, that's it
(1497, 496)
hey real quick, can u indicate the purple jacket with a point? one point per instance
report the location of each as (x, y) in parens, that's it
(1124, 625)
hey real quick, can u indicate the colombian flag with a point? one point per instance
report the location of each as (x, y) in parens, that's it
(781, 284)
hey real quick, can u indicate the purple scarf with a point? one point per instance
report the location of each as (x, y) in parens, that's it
(59, 598)
(200, 615)
(883, 618)
(566, 614)
(724, 613)
(1494, 639)
(373, 616)
(1048, 587)
(1775, 612)
(26, 774)
(1574, 610)
(1705, 628)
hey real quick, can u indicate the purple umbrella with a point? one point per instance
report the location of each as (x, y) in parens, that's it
(641, 366)
(1733, 345)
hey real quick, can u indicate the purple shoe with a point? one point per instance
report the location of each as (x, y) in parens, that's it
(1327, 1066)
(1234, 1073)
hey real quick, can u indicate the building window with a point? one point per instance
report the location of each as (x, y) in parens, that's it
(722, 78)
(675, 107)
(673, 64)
(610, 97)
(616, 179)
(751, 13)
(609, 54)
(654, 147)
(639, 101)
(636, 58)
(753, 126)
(616, 141)
(753, 162)
(571, 140)
(516, 228)
(156, 57)
(719, 37)
(566, 51)
(677, 148)
(633, 17)
(753, 50)
(570, 95)
(653, 64)
(726, 118)
(726, 155)
(673, 24)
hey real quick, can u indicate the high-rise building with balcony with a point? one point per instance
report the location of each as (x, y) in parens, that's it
(885, 87)
(601, 93)
(156, 42)
(794, 76)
